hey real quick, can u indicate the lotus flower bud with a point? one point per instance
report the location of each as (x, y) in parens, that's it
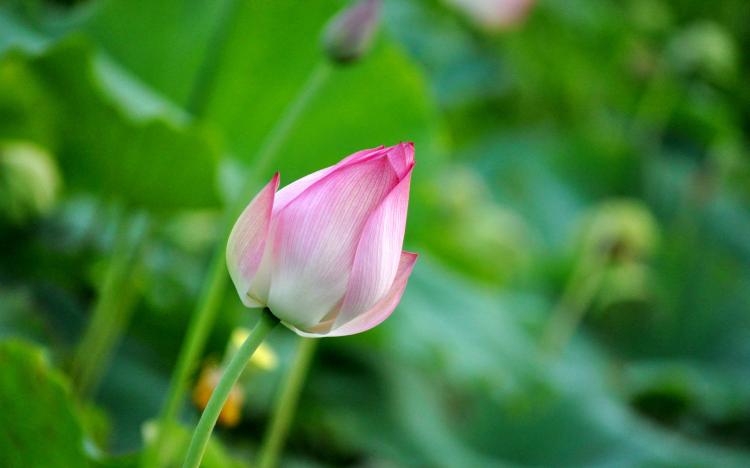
(706, 48)
(324, 253)
(495, 15)
(350, 33)
(622, 229)
(29, 181)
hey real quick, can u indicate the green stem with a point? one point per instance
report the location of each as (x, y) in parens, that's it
(216, 281)
(113, 306)
(577, 298)
(232, 372)
(285, 406)
(283, 127)
(195, 339)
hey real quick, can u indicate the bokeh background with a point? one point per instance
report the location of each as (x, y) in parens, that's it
(581, 204)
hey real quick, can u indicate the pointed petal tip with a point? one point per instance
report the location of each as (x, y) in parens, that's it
(408, 148)
(401, 157)
(410, 256)
(276, 179)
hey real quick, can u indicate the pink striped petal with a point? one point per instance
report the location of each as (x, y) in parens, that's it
(248, 239)
(401, 157)
(293, 190)
(261, 283)
(381, 310)
(378, 254)
(315, 239)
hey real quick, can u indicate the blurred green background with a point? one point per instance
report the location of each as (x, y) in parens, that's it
(581, 204)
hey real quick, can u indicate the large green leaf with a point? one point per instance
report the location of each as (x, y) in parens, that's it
(165, 43)
(458, 377)
(268, 51)
(112, 134)
(38, 424)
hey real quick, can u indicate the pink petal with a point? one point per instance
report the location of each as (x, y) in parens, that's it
(261, 283)
(381, 310)
(248, 239)
(401, 157)
(293, 190)
(315, 239)
(378, 254)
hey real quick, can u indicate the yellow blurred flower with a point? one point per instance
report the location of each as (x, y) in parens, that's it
(263, 358)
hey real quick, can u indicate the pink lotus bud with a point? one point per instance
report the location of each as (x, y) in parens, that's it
(324, 253)
(495, 15)
(350, 33)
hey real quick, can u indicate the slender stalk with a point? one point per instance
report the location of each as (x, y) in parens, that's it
(286, 405)
(576, 300)
(232, 372)
(113, 305)
(195, 339)
(216, 280)
(292, 113)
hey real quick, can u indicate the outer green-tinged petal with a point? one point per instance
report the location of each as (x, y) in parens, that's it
(247, 241)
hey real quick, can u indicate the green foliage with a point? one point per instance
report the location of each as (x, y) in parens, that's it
(268, 52)
(38, 422)
(609, 135)
(109, 135)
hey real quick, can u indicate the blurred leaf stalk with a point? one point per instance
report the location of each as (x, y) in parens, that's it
(114, 304)
(616, 240)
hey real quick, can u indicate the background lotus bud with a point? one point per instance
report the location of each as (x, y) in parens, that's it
(622, 229)
(469, 230)
(350, 33)
(705, 48)
(324, 253)
(29, 181)
(495, 15)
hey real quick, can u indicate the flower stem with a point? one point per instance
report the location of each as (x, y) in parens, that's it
(285, 406)
(195, 339)
(113, 305)
(576, 300)
(279, 133)
(232, 373)
(215, 283)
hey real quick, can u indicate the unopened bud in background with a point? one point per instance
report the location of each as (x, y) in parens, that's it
(622, 229)
(29, 181)
(495, 15)
(350, 33)
(705, 48)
